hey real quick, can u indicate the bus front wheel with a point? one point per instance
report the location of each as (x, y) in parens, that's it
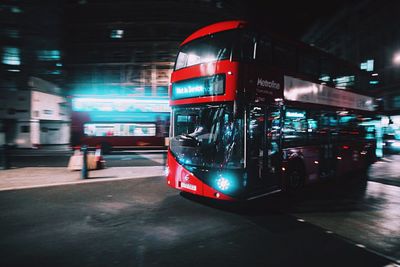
(295, 178)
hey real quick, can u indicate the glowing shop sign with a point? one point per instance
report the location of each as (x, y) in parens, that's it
(204, 86)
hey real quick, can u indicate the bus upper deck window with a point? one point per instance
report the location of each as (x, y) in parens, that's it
(247, 47)
(264, 50)
(284, 56)
(210, 48)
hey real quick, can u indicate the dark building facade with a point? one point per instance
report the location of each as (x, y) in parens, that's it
(31, 73)
(128, 48)
(366, 32)
(30, 41)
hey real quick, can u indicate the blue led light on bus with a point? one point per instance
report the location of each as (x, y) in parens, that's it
(223, 183)
(226, 182)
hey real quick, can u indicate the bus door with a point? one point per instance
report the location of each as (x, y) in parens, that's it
(273, 159)
(327, 153)
(263, 147)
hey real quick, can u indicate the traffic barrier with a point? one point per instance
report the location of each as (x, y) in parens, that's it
(100, 162)
(93, 162)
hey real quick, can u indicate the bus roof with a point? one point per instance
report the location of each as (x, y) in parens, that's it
(216, 27)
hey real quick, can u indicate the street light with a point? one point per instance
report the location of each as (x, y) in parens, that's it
(396, 58)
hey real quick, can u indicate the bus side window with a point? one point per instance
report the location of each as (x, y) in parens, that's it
(313, 127)
(247, 47)
(308, 64)
(295, 128)
(264, 50)
(284, 56)
(326, 128)
(347, 127)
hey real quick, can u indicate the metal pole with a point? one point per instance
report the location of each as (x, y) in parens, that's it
(84, 172)
(5, 164)
(165, 155)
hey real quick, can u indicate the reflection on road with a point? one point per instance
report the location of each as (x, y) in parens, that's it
(364, 212)
(357, 208)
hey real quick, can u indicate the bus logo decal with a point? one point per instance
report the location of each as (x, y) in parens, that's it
(269, 84)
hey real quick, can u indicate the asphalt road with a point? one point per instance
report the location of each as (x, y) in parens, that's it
(143, 222)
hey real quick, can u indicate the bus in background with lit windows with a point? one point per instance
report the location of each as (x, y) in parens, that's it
(119, 123)
(253, 114)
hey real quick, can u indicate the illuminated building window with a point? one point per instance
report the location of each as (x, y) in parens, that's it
(10, 8)
(10, 33)
(117, 34)
(11, 56)
(396, 102)
(48, 55)
(52, 72)
(16, 9)
(367, 65)
(344, 81)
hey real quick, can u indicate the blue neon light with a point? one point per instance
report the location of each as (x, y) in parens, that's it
(96, 116)
(120, 105)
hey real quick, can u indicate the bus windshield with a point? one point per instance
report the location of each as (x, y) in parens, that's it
(207, 136)
(211, 48)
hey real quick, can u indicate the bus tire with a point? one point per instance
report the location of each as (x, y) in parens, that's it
(295, 178)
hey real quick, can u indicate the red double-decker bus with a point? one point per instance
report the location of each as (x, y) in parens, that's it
(253, 114)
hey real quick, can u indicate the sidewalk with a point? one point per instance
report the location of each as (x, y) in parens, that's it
(386, 170)
(31, 177)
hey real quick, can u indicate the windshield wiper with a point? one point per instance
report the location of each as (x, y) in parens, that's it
(188, 136)
(188, 140)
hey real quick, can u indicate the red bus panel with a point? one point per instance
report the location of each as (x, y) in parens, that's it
(180, 178)
(217, 27)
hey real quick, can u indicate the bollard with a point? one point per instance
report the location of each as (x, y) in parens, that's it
(84, 172)
(100, 162)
